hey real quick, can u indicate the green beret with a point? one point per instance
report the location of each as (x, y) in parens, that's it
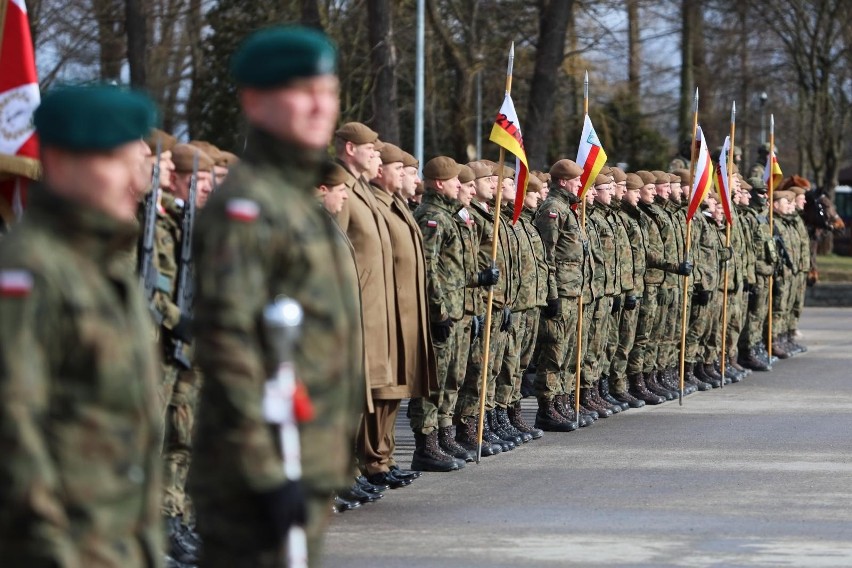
(93, 118)
(273, 57)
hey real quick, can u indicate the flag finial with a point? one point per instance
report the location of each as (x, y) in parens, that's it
(695, 101)
(734, 112)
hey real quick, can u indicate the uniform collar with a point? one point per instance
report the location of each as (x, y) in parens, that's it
(441, 201)
(299, 165)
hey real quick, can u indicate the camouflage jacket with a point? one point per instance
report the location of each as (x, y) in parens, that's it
(607, 280)
(733, 282)
(511, 235)
(631, 220)
(804, 242)
(79, 413)
(533, 262)
(623, 254)
(672, 244)
(262, 235)
(705, 276)
(473, 301)
(484, 222)
(745, 225)
(763, 245)
(443, 244)
(167, 239)
(566, 246)
(660, 247)
(678, 226)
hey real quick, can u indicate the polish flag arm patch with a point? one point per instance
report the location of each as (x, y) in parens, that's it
(244, 210)
(552, 214)
(432, 224)
(15, 283)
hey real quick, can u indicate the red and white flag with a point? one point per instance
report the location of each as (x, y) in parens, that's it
(19, 96)
(590, 156)
(722, 181)
(772, 166)
(703, 178)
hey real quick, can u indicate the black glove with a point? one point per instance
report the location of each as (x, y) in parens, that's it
(488, 277)
(183, 330)
(684, 268)
(553, 309)
(630, 303)
(746, 287)
(284, 506)
(507, 319)
(727, 254)
(616, 304)
(476, 327)
(441, 330)
(752, 299)
(701, 297)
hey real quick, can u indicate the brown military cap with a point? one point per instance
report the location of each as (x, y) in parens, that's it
(208, 149)
(647, 177)
(227, 159)
(534, 185)
(634, 181)
(618, 174)
(660, 176)
(391, 153)
(544, 177)
(565, 169)
(466, 174)
(743, 183)
(481, 169)
(409, 161)
(357, 133)
(797, 190)
(783, 194)
(332, 173)
(441, 168)
(683, 175)
(183, 155)
(167, 141)
(492, 165)
(603, 179)
(508, 172)
(674, 178)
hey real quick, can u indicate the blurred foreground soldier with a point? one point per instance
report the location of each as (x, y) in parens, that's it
(263, 236)
(79, 419)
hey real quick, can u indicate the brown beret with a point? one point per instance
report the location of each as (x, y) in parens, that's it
(603, 179)
(646, 177)
(378, 145)
(332, 173)
(357, 133)
(183, 156)
(674, 178)
(409, 161)
(743, 183)
(783, 194)
(227, 159)
(208, 149)
(618, 174)
(466, 174)
(391, 153)
(682, 175)
(167, 141)
(634, 181)
(660, 176)
(797, 190)
(508, 172)
(534, 185)
(481, 169)
(565, 169)
(441, 168)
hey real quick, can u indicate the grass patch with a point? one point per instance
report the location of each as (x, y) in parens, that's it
(834, 268)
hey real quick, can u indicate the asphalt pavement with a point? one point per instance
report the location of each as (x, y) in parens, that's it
(756, 474)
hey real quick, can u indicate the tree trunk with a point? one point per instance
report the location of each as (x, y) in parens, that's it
(553, 24)
(634, 51)
(311, 14)
(110, 38)
(136, 24)
(385, 118)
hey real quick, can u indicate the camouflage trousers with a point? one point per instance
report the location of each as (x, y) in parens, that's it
(757, 310)
(177, 447)
(467, 407)
(520, 344)
(577, 351)
(699, 328)
(713, 344)
(736, 318)
(529, 345)
(599, 317)
(669, 351)
(622, 333)
(797, 303)
(167, 386)
(641, 355)
(435, 411)
(782, 288)
(661, 333)
(554, 345)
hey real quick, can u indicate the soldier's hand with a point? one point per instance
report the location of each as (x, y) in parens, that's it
(285, 507)
(727, 254)
(476, 327)
(183, 330)
(701, 297)
(616, 304)
(553, 309)
(684, 268)
(441, 330)
(746, 287)
(630, 303)
(507, 319)
(488, 277)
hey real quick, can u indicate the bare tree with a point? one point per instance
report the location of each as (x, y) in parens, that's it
(136, 24)
(385, 119)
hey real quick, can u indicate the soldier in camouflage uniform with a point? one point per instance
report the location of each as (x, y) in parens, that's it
(79, 416)
(262, 236)
(744, 251)
(803, 243)
(785, 271)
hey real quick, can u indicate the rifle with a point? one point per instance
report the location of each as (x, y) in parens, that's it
(185, 290)
(148, 274)
(282, 320)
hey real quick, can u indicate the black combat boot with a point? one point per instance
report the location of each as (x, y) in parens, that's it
(466, 438)
(753, 360)
(691, 376)
(629, 399)
(689, 386)
(701, 373)
(549, 420)
(655, 387)
(711, 371)
(428, 456)
(340, 505)
(797, 347)
(736, 374)
(499, 428)
(181, 548)
(595, 393)
(588, 401)
(503, 420)
(448, 444)
(603, 390)
(729, 375)
(492, 436)
(517, 420)
(640, 390)
(564, 405)
(778, 349)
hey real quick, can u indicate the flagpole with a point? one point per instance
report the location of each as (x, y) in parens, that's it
(771, 227)
(688, 194)
(724, 358)
(486, 344)
(579, 361)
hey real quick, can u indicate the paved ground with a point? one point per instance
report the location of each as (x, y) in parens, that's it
(756, 474)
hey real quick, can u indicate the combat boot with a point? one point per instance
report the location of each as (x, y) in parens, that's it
(736, 370)
(502, 415)
(549, 420)
(690, 375)
(447, 443)
(564, 404)
(585, 410)
(701, 373)
(655, 387)
(764, 355)
(493, 436)
(428, 456)
(595, 393)
(466, 438)
(753, 360)
(710, 371)
(588, 400)
(639, 390)
(586, 418)
(517, 420)
(777, 349)
(603, 390)
(181, 548)
(798, 347)
(500, 429)
(729, 376)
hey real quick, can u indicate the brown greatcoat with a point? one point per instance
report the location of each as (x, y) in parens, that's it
(368, 232)
(414, 360)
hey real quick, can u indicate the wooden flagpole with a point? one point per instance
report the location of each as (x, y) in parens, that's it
(724, 357)
(486, 343)
(688, 194)
(771, 229)
(579, 362)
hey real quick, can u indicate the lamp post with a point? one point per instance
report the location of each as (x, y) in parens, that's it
(763, 98)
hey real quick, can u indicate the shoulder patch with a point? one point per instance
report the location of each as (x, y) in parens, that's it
(552, 214)
(15, 283)
(244, 210)
(431, 224)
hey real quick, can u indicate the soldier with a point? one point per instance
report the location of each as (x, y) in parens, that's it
(331, 189)
(219, 170)
(78, 412)
(803, 243)
(411, 168)
(262, 236)
(785, 272)
(744, 253)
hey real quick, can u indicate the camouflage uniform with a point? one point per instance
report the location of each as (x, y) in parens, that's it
(668, 308)
(670, 347)
(535, 272)
(705, 279)
(79, 418)
(606, 276)
(804, 245)
(785, 273)
(261, 236)
(744, 253)
(508, 382)
(766, 258)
